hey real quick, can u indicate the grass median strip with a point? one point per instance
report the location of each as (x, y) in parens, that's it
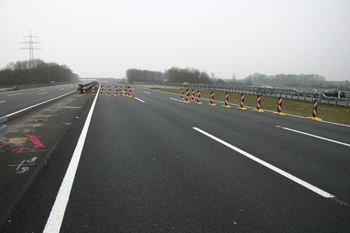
(338, 114)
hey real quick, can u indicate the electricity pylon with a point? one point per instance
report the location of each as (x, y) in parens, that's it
(30, 45)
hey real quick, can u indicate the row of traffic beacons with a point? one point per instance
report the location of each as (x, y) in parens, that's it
(241, 107)
(118, 92)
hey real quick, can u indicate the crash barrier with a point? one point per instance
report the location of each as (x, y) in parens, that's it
(87, 87)
(242, 103)
(187, 96)
(314, 112)
(198, 97)
(226, 102)
(212, 99)
(279, 108)
(3, 127)
(182, 94)
(258, 100)
(101, 90)
(303, 95)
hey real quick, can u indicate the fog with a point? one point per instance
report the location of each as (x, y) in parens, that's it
(105, 38)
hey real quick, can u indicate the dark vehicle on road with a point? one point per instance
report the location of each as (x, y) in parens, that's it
(333, 93)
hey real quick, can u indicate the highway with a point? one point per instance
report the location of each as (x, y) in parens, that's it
(13, 101)
(153, 163)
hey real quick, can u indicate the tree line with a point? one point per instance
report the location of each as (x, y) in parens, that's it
(35, 71)
(191, 75)
(135, 75)
(286, 79)
(175, 75)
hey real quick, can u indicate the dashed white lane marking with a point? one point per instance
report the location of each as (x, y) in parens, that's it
(273, 168)
(54, 221)
(315, 136)
(139, 99)
(42, 93)
(2, 102)
(147, 92)
(15, 94)
(178, 100)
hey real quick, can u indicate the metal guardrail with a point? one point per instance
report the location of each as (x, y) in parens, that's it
(305, 95)
(3, 127)
(87, 86)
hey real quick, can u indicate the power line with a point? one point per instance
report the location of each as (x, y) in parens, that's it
(30, 45)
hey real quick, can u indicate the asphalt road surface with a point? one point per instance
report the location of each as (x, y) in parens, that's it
(13, 101)
(152, 163)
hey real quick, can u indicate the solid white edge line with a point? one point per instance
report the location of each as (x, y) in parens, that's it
(38, 104)
(139, 99)
(315, 136)
(275, 169)
(55, 219)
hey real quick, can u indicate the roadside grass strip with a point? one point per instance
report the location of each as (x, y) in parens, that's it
(329, 113)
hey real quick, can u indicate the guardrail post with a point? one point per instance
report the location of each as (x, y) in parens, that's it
(347, 102)
(3, 127)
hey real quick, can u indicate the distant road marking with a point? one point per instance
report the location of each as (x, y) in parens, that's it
(6, 92)
(2, 102)
(24, 109)
(315, 136)
(275, 169)
(61, 89)
(139, 99)
(42, 93)
(15, 94)
(178, 100)
(54, 221)
(147, 92)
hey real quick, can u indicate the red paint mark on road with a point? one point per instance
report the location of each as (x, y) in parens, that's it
(25, 150)
(35, 140)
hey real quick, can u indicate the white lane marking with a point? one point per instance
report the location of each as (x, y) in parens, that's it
(315, 136)
(2, 102)
(178, 100)
(54, 221)
(61, 89)
(6, 92)
(273, 168)
(15, 94)
(147, 92)
(42, 93)
(39, 104)
(139, 99)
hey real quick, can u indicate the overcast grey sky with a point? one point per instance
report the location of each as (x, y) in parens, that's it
(105, 38)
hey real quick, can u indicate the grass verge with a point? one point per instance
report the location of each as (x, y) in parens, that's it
(338, 114)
